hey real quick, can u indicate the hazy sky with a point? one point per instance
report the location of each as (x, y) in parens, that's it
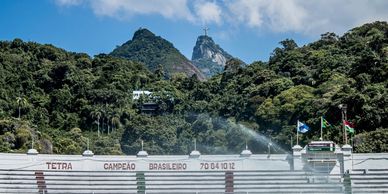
(248, 29)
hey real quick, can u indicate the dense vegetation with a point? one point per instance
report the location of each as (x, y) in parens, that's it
(60, 99)
(154, 51)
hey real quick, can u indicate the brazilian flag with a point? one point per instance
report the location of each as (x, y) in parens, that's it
(325, 123)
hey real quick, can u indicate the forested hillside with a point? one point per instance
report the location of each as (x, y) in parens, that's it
(60, 99)
(155, 53)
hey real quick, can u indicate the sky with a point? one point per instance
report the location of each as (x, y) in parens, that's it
(247, 29)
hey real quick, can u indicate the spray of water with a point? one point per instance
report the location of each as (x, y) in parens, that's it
(265, 141)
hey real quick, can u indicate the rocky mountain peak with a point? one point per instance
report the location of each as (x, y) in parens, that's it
(209, 57)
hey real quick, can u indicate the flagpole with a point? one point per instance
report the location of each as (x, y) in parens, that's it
(343, 129)
(321, 130)
(297, 133)
(346, 135)
(353, 149)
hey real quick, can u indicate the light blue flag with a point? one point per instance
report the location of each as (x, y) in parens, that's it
(302, 128)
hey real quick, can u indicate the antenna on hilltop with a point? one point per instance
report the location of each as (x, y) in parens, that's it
(206, 29)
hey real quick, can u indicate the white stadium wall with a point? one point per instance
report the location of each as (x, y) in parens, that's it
(150, 163)
(339, 172)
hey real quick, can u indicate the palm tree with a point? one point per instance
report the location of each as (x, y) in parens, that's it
(104, 115)
(115, 121)
(98, 123)
(96, 114)
(22, 102)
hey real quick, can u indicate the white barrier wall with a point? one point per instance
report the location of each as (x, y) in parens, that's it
(40, 173)
(143, 164)
(368, 161)
(180, 162)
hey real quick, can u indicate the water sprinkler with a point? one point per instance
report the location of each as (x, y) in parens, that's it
(269, 149)
(33, 151)
(87, 152)
(195, 153)
(246, 152)
(142, 153)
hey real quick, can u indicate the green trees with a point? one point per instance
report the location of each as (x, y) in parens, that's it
(154, 51)
(375, 141)
(21, 102)
(71, 97)
(96, 114)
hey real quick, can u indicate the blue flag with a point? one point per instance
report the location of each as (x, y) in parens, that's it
(302, 128)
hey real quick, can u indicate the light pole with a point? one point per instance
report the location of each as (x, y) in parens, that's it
(343, 108)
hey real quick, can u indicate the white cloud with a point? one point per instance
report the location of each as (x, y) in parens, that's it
(299, 16)
(286, 15)
(278, 15)
(339, 16)
(123, 9)
(208, 12)
(248, 11)
(171, 9)
(308, 17)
